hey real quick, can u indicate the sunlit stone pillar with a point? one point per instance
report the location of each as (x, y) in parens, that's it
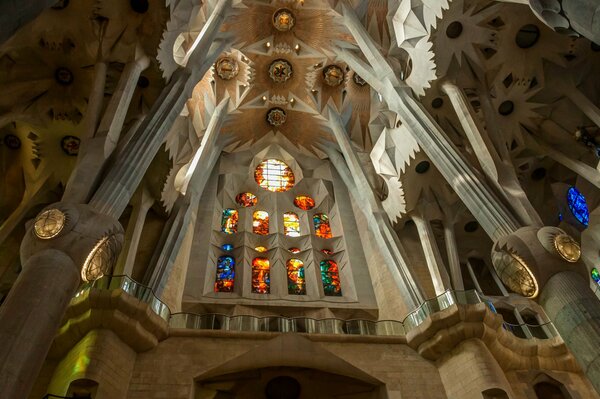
(575, 311)
(350, 168)
(433, 258)
(453, 258)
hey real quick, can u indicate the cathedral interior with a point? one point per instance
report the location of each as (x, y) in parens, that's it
(299, 199)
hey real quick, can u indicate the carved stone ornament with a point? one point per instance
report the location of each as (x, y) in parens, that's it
(333, 75)
(283, 20)
(227, 68)
(276, 117)
(280, 71)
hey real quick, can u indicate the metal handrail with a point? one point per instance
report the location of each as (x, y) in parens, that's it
(217, 321)
(140, 291)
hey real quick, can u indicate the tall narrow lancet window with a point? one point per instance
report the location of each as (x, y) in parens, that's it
(291, 224)
(261, 280)
(322, 227)
(274, 175)
(578, 206)
(260, 223)
(229, 221)
(295, 273)
(330, 276)
(225, 274)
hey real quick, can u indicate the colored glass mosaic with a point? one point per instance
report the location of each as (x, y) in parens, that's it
(291, 224)
(326, 251)
(246, 199)
(227, 247)
(260, 223)
(330, 276)
(294, 250)
(225, 274)
(261, 280)
(322, 227)
(261, 249)
(295, 273)
(304, 202)
(274, 175)
(596, 275)
(578, 206)
(229, 221)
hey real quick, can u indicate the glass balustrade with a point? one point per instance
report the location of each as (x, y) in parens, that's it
(308, 325)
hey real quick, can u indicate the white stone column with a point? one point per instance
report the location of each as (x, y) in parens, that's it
(350, 169)
(433, 258)
(183, 215)
(97, 149)
(453, 258)
(498, 173)
(483, 203)
(125, 175)
(141, 205)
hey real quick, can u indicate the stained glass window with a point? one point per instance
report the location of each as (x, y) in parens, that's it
(246, 199)
(578, 206)
(291, 224)
(322, 227)
(327, 251)
(294, 250)
(330, 276)
(225, 274)
(596, 275)
(260, 223)
(227, 247)
(261, 249)
(274, 175)
(295, 273)
(229, 221)
(304, 202)
(261, 280)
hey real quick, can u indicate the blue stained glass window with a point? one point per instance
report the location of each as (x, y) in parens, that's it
(227, 247)
(225, 274)
(578, 206)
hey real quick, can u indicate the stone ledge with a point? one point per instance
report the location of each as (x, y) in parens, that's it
(132, 320)
(444, 330)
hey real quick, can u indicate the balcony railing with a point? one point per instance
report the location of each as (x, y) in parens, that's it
(215, 321)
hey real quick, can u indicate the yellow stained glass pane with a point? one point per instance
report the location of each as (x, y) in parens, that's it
(261, 249)
(260, 223)
(291, 224)
(274, 175)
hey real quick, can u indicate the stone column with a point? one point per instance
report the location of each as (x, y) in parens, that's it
(141, 205)
(39, 298)
(499, 173)
(575, 311)
(484, 204)
(183, 215)
(30, 320)
(453, 258)
(350, 169)
(439, 276)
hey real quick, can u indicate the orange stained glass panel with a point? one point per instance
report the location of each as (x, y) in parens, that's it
(246, 199)
(274, 175)
(260, 223)
(322, 227)
(295, 273)
(261, 249)
(261, 279)
(304, 202)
